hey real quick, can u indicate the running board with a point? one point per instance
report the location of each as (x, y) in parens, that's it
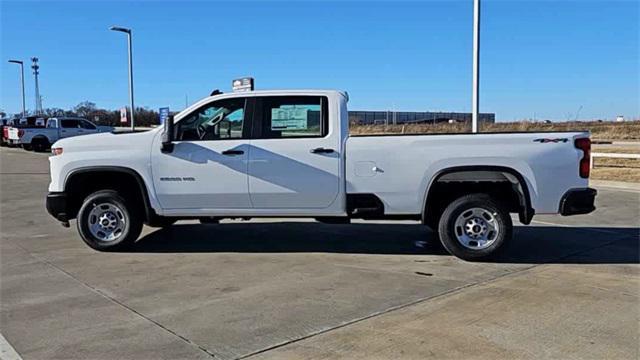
(364, 205)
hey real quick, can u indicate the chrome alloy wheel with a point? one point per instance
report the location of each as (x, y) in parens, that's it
(476, 228)
(106, 222)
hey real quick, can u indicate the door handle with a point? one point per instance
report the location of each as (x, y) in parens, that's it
(322, 150)
(232, 152)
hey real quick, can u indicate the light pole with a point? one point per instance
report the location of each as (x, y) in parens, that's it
(128, 32)
(24, 112)
(475, 101)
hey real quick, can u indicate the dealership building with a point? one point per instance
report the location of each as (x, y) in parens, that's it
(407, 117)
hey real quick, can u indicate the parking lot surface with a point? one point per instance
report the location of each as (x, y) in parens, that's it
(569, 287)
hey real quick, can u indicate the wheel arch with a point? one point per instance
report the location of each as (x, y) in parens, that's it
(40, 137)
(518, 184)
(78, 174)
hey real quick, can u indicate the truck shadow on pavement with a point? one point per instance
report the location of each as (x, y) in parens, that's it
(531, 244)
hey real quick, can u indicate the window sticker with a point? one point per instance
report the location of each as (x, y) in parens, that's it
(290, 117)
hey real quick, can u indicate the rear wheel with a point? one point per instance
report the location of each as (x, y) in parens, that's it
(475, 227)
(107, 222)
(40, 144)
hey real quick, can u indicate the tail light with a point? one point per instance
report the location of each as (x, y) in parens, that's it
(56, 151)
(584, 144)
(20, 133)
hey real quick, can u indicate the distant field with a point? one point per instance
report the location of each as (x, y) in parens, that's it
(604, 169)
(629, 130)
(616, 169)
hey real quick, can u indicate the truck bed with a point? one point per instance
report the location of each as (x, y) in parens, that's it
(399, 168)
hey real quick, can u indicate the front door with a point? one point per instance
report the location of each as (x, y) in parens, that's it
(69, 127)
(294, 160)
(86, 127)
(207, 168)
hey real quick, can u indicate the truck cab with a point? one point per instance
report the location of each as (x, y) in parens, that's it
(274, 154)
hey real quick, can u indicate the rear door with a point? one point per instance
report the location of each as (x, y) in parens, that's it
(294, 157)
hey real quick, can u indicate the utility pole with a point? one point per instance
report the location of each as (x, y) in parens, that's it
(24, 111)
(36, 72)
(475, 102)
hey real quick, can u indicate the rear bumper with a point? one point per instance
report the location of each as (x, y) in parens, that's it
(57, 205)
(578, 201)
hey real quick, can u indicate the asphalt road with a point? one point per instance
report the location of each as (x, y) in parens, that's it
(568, 287)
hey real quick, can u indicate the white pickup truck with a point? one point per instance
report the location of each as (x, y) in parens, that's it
(289, 154)
(40, 138)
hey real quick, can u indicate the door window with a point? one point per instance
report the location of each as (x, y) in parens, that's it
(292, 116)
(220, 120)
(87, 125)
(69, 123)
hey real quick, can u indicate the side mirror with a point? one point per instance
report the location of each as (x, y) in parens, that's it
(168, 135)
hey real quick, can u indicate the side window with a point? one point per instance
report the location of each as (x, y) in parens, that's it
(219, 120)
(69, 123)
(52, 123)
(87, 125)
(293, 116)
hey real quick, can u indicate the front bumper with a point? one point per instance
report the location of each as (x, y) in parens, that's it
(578, 201)
(57, 206)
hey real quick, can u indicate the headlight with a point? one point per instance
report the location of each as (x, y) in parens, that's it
(56, 151)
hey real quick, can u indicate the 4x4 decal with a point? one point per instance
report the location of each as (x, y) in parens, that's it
(557, 140)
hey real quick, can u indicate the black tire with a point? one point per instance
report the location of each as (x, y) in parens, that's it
(130, 217)
(162, 222)
(27, 147)
(40, 144)
(449, 234)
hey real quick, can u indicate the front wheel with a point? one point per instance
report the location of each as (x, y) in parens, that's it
(107, 222)
(475, 227)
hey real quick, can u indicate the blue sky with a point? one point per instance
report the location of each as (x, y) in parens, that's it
(539, 58)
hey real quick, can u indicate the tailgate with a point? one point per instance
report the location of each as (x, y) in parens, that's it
(13, 133)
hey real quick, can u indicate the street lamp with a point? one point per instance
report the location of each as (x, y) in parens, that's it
(475, 101)
(128, 32)
(24, 113)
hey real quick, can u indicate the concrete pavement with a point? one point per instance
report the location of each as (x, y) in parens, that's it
(300, 289)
